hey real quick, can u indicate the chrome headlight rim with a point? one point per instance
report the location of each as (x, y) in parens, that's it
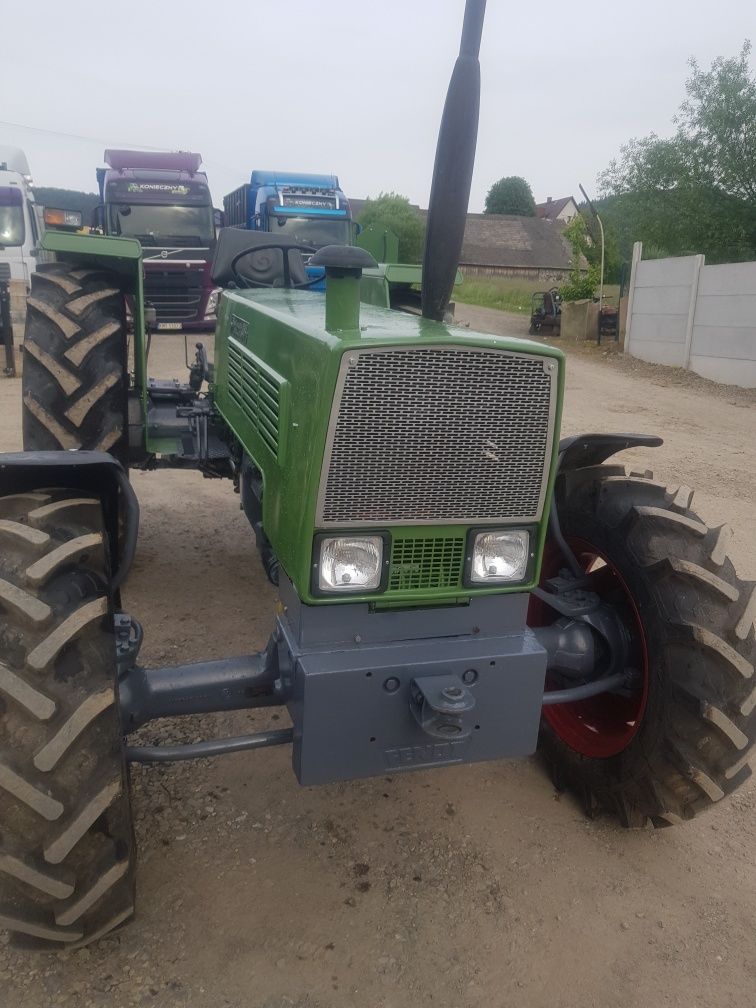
(341, 593)
(498, 583)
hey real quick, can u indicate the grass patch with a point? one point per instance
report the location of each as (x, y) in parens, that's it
(509, 294)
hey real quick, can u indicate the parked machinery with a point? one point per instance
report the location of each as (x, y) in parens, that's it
(456, 583)
(546, 312)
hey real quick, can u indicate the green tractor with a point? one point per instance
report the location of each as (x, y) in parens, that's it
(456, 583)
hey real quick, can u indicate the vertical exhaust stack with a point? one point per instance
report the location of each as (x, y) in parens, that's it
(453, 168)
(343, 265)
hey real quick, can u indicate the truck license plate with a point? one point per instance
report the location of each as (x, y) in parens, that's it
(169, 325)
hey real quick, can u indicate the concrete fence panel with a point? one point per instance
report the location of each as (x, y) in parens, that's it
(723, 347)
(659, 328)
(686, 314)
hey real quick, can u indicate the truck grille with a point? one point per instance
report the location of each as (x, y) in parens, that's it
(426, 563)
(438, 435)
(256, 391)
(175, 297)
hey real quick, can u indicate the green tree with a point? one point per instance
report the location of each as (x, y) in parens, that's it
(587, 232)
(392, 211)
(511, 195)
(696, 191)
(581, 283)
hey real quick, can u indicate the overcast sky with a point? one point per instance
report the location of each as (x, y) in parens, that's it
(354, 87)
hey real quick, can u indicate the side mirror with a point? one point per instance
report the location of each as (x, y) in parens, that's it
(98, 216)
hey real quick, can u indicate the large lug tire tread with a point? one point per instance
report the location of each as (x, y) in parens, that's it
(697, 735)
(75, 379)
(67, 852)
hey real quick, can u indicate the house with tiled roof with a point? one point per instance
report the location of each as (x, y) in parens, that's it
(562, 210)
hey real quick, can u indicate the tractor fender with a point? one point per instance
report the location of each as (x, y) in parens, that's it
(582, 450)
(95, 472)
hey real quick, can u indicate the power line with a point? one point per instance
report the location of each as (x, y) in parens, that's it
(100, 140)
(130, 146)
(77, 136)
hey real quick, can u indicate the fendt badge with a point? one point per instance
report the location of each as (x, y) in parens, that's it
(239, 328)
(426, 755)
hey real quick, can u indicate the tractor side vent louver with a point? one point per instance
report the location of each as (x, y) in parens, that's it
(256, 390)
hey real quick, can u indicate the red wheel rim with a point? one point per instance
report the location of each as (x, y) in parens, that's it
(604, 725)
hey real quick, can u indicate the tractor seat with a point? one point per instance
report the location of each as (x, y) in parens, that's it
(263, 266)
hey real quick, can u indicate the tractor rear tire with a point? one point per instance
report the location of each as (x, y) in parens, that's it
(75, 379)
(67, 851)
(695, 730)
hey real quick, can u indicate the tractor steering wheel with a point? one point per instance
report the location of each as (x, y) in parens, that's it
(245, 281)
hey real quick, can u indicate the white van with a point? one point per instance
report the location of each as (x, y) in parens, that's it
(19, 224)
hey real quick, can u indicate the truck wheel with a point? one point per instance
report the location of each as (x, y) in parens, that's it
(75, 379)
(66, 841)
(681, 740)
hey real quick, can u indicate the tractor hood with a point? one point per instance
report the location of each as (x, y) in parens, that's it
(400, 371)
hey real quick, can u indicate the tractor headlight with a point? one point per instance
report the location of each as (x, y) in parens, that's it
(350, 563)
(499, 556)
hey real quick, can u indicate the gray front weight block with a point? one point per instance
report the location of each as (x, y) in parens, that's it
(351, 701)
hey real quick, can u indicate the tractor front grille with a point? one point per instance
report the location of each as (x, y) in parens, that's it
(438, 435)
(426, 563)
(256, 390)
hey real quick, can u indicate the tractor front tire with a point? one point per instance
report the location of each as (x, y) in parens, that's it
(75, 378)
(689, 741)
(67, 852)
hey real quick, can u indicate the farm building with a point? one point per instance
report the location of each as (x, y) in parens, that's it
(499, 245)
(503, 245)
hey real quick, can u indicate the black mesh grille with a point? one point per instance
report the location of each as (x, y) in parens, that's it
(439, 435)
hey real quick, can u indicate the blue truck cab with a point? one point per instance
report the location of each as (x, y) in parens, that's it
(310, 209)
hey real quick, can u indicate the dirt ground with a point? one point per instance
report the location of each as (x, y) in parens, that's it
(476, 886)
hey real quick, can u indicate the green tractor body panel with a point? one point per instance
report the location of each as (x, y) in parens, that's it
(119, 255)
(381, 243)
(376, 284)
(386, 282)
(277, 372)
(278, 378)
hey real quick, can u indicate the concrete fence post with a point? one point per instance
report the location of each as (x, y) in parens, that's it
(637, 254)
(698, 263)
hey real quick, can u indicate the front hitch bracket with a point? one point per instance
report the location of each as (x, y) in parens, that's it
(442, 705)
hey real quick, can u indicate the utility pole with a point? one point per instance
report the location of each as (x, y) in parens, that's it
(601, 230)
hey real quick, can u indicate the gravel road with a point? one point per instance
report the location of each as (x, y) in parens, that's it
(463, 888)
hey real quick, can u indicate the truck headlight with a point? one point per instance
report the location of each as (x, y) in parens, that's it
(350, 563)
(212, 301)
(499, 556)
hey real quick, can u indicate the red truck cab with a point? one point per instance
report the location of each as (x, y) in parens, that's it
(163, 200)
